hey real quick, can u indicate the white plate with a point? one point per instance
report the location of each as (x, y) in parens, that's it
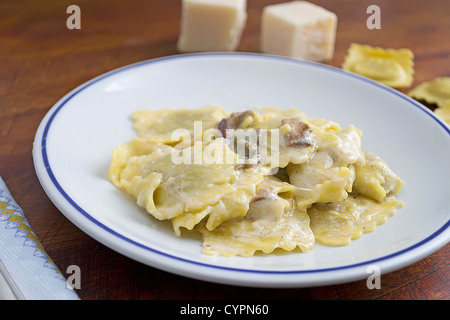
(73, 145)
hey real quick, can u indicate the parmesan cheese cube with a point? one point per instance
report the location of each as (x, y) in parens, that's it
(211, 25)
(298, 29)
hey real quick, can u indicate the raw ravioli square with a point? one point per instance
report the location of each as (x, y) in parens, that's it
(392, 67)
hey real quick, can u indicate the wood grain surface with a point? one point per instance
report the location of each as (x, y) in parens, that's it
(41, 60)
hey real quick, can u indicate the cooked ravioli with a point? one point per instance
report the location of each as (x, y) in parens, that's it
(245, 237)
(255, 181)
(283, 136)
(338, 223)
(230, 206)
(330, 173)
(128, 159)
(161, 125)
(375, 179)
(271, 222)
(167, 190)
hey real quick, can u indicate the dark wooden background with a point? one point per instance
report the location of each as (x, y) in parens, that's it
(41, 60)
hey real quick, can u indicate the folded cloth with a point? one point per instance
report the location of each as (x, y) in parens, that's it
(26, 270)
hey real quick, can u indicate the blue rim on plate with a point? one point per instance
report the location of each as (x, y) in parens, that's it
(86, 214)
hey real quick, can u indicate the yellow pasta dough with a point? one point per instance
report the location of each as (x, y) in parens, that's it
(330, 173)
(337, 223)
(279, 126)
(255, 181)
(160, 125)
(375, 179)
(230, 206)
(436, 91)
(272, 222)
(391, 67)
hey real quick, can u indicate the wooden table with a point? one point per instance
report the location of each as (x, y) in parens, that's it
(41, 60)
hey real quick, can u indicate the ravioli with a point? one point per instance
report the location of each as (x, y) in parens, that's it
(375, 179)
(127, 159)
(160, 125)
(338, 223)
(330, 173)
(167, 190)
(287, 139)
(391, 67)
(230, 206)
(271, 222)
(256, 181)
(436, 91)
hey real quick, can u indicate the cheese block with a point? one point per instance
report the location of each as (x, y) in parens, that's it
(298, 29)
(211, 25)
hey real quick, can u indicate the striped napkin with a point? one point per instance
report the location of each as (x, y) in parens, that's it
(26, 270)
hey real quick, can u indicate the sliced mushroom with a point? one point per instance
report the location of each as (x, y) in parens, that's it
(300, 133)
